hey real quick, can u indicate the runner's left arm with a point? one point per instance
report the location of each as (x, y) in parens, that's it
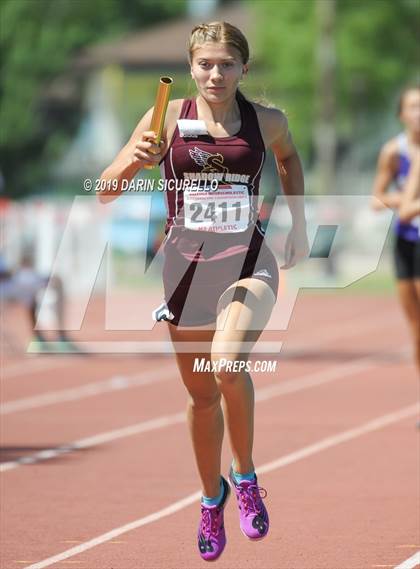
(290, 172)
(289, 167)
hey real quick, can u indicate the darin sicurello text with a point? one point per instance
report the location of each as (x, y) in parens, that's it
(147, 185)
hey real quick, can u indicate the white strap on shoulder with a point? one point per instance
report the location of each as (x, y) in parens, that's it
(402, 143)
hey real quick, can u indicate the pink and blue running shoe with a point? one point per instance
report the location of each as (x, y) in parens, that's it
(253, 516)
(211, 531)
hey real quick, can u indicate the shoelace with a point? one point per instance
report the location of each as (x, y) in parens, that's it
(251, 498)
(210, 521)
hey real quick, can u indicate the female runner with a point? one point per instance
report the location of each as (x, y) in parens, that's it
(220, 278)
(395, 165)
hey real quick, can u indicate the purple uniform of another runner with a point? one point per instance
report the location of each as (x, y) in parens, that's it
(408, 231)
(407, 242)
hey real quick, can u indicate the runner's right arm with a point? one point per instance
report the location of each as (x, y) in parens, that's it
(136, 154)
(385, 174)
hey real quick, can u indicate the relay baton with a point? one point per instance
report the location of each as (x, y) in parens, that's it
(159, 111)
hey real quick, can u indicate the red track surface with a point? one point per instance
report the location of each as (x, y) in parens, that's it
(344, 504)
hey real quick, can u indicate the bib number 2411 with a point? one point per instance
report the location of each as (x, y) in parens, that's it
(225, 210)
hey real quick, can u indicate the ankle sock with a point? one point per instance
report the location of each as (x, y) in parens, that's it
(241, 477)
(214, 501)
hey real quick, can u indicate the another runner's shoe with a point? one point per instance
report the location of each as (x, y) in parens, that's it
(253, 516)
(211, 531)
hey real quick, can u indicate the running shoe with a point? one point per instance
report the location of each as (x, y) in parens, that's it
(253, 516)
(211, 531)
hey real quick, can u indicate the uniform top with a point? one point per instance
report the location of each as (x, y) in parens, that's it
(234, 161)
(409, 231)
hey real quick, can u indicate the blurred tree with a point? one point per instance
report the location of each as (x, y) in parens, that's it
(377, 50)
(325, 127)
(38, 38)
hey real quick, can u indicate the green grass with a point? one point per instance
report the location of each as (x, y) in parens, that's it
(375, 283)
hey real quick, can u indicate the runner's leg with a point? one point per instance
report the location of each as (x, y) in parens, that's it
(204, 413)
(244, 310)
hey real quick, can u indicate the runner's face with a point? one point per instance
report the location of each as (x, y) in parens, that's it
(217, 69)
(410, 112)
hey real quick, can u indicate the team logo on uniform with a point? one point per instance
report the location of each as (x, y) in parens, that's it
(210, 162)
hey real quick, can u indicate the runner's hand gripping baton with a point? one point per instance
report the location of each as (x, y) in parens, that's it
(159, 111)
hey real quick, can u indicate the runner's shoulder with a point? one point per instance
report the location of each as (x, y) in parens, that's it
(269, 113)
(273, 122)
(174, 109)
(390, 150)
(389, 154)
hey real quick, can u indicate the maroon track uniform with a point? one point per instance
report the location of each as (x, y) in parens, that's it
(214, 236)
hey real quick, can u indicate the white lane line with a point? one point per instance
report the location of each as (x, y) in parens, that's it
(116, 383)
(323, 444)
(411, 563)
(96, 440)
(343, 437)
(319, 377)
(92, 389)
(291, 386)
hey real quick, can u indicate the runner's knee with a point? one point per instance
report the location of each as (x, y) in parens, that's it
(204, 401)
(227, 368)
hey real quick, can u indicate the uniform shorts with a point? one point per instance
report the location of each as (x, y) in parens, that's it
(407, 258)
(193, 288)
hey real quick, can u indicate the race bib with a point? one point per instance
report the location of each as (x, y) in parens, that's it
(224, 210)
